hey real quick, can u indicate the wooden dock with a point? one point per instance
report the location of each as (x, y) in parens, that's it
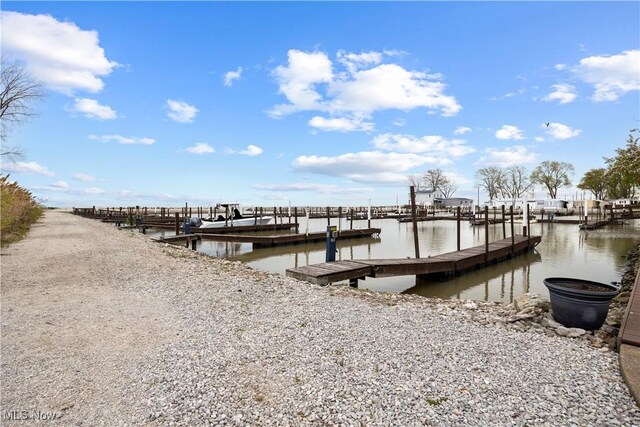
(225, 230)
(630, 327)
(285, 239)
(448, 263)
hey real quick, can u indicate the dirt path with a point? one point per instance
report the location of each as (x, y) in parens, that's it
(72, 335)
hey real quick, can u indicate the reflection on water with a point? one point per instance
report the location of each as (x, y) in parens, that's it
(597, 255)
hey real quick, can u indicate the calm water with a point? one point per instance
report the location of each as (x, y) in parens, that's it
(597, 255)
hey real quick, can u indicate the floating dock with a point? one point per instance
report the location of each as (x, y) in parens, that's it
(286, 239)
(448, 263)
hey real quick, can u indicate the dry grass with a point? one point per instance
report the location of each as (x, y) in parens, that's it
(18, 211)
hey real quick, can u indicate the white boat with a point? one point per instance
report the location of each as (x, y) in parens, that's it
(234, 220)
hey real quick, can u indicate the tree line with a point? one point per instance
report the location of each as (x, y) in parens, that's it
(619, 180)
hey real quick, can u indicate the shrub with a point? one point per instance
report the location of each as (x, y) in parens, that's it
(18, 211)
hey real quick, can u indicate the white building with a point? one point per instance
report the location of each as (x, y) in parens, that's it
(537, 204)
(453, 202)
(428, 197)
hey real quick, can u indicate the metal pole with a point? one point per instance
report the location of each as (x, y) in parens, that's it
(458, 227)
(415, 222)
(486, 234)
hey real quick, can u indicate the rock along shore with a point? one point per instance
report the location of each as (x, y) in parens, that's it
(106, 327)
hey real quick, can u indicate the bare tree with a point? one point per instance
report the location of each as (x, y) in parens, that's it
(18, 91)
(516, 182)
(552, 175)
(434, 179)
(415, 181)
(448, 188)
(491, 179)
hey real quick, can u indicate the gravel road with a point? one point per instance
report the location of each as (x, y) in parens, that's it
(106, 327)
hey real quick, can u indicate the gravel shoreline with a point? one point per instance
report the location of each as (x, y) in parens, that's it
(105, 327)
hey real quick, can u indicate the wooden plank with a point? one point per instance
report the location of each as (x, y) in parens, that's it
(630, 327)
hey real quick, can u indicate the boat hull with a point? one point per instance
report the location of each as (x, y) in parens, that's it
(237, 222)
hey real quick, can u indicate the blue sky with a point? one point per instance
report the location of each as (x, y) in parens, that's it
(161, 103)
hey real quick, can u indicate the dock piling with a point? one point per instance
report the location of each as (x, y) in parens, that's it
(415, 222)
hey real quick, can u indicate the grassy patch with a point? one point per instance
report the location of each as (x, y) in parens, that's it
(19, 210)
(436, 402)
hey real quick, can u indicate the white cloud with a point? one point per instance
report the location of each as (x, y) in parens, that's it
(539, 139)
(518, 92)
(389, 86)
(341, 124)
(60, 54)
(60, 184)
(511, 156)
(509, 132)
(457, 179)
(319, 188)
(27, 168)
(82, 177)
(298, 81)
(563, 93)
(180, 111)
(366, 166)
(92, 190)
(251, 150)
(400, 122)
(200, 148)
(461, 130)
(231, 76)
(123, 139)
(432, 144)
(93, 110)
(612, 76)
(560, 67)
(560, 131)
(309, 83)
(355, 61)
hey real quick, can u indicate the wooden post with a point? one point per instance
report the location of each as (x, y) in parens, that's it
(194, 243)
(226, 215)
(458, 227)
(504, 225)
(210, 212)
(295, 217)
(486, 234)
(351, 219)
(255, 217)
(328, 216)
(513, 238)
(339, 219)
(415, 222)
(260, 215)
(528, 228)
(177, 223)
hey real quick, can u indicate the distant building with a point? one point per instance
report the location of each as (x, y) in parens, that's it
(537, 204)
(624, 202)
(452, 202)
(428, 197)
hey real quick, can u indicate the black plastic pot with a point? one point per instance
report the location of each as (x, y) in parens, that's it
(578, 303)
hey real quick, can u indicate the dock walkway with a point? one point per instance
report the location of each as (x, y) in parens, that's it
(448, 263)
